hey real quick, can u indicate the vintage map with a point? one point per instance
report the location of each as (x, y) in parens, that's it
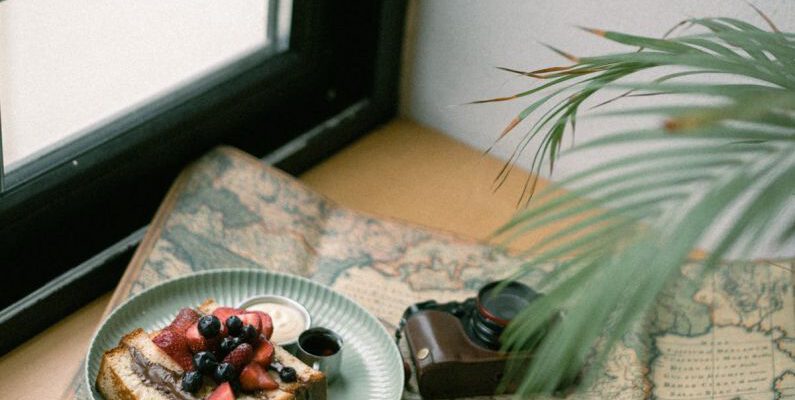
(730, 337)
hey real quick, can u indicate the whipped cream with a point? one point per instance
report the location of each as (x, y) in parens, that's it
(288, 322)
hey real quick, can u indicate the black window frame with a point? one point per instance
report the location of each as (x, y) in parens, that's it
(71, 218)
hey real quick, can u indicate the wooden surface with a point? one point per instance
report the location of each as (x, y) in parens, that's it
(43, 367)
(401, 170)
(410, 172)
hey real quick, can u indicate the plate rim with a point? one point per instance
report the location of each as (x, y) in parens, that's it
(86, 364)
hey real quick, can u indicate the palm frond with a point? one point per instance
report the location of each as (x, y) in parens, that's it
(638, 218)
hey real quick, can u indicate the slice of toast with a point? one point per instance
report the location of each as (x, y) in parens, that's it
(118, 379)
(120, 376)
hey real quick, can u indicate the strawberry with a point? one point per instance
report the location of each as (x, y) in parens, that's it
(258, 340)
(176, 346)
(266, 322)
(253, 319)
(224, 331)
(184, 319)
(195, 340)
(264, 354)
(255, 377)
(240, 356)
(222, 392)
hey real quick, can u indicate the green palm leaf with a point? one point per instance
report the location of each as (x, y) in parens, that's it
(637, 219)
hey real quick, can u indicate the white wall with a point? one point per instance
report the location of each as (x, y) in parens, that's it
(452, 48)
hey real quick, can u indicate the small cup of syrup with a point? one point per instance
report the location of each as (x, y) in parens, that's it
(321, 348)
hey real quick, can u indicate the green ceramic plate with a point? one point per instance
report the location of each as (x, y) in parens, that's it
(371, 365)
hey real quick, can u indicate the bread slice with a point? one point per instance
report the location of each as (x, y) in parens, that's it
(120, 378)
(116, 378)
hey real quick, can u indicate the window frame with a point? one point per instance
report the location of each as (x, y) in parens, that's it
(71, 218)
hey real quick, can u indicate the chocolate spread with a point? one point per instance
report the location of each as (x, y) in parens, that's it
(163, 379)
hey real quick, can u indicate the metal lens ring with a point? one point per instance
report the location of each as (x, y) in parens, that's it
(497, 304)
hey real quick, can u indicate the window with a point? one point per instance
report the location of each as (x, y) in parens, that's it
(66, 66)
(73, 206)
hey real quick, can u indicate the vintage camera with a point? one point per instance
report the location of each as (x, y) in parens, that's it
(455, 346)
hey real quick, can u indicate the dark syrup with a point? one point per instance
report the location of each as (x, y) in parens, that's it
(320, 345)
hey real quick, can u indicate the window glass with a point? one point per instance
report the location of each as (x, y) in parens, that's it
(67, 66)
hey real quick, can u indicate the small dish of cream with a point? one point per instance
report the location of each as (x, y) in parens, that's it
(290, 318)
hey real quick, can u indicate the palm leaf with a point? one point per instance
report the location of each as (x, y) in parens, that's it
(635, 220)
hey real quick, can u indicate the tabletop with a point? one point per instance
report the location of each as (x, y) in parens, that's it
(412, 173)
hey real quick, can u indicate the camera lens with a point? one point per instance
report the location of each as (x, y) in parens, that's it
(496, 305)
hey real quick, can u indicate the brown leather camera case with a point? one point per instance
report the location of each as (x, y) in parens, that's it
(448, 363)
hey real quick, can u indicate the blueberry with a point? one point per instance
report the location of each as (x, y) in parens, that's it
(229, 343)
(209, 326)
(205, 362)
(288, 374)
(235, 325)
(224, 372)
(249, 333)
(191, 381)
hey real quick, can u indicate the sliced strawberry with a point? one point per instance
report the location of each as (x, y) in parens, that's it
(240, 356)
(264, 354)
(184, 319)
(222, 392)
(195, 340)
(256, 341)
(255, 377)
(176, 346)
(267, 324)
(223, 333)
(253, 319)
